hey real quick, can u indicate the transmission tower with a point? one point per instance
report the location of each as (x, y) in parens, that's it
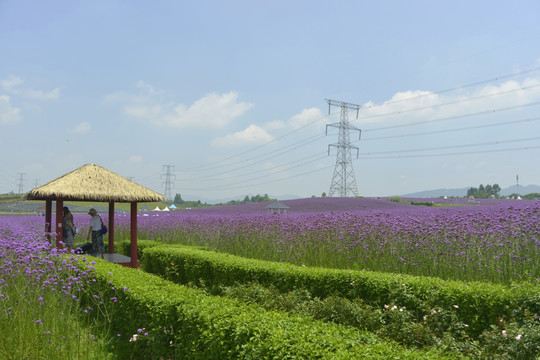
(21, 182)
(343, 181)
(168, 181)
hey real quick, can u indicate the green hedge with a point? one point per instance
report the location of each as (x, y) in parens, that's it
(124, 247)
(184, 323)
(480, 305)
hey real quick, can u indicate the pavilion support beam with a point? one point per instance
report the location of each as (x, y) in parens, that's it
(59, 222)
(111, 227)
(48, 218)
(133, 214)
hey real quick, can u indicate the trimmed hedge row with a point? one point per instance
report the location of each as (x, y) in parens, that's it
(184, 323)
(479, 304)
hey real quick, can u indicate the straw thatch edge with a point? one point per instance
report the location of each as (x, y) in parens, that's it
(92, 182)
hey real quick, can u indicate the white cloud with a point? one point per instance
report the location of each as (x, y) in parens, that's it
(306, 117)
(135, 159)
(8, 113)
(83, 127)
(209, 112)
(149, 88)
(252, 135)
(13, 85)
(274, 125)
(416, 105)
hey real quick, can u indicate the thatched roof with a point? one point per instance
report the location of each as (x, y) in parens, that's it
(92, 182)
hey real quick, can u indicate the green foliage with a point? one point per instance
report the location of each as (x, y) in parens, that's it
(484, 192)
(247, 199)
(179, 322)
(178, 200)
(532, 196)
(480, 304)
(10, 197)
(422, 203)
(394, 198)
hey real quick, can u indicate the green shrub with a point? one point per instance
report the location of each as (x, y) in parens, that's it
(175, 321)
(480, 304)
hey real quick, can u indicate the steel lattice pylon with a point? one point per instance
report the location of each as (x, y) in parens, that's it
(343, 180)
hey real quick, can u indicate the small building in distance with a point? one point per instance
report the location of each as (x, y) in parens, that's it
(277, 208)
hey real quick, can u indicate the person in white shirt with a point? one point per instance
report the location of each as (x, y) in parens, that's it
(95, 233)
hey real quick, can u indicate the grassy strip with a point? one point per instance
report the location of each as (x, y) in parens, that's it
(175, 321)
(481, 305)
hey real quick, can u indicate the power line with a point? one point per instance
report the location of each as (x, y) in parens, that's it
(245, 185)
(447, 103)
(454, 117)
(460, 87)
(451, 154)
(221, 161)
(456, 129)
(455, 146)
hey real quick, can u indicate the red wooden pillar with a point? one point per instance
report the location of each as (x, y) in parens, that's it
(111, 227)
(59, 222)
(48, 217)
(133, 215)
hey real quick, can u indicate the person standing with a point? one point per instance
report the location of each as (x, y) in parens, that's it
(68, 229)
(95, 233)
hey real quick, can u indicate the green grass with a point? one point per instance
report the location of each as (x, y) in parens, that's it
(40, 318)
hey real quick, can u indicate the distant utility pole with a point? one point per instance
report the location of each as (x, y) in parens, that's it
(167, 183)
(343, 181)
(517, 184)
(21, 182)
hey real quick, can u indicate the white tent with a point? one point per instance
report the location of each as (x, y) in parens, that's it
(156, 209)
(165, 209)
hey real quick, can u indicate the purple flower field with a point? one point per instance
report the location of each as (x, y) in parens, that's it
(498, 241)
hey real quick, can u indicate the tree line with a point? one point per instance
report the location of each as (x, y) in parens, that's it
(484, 192)
(178, 201)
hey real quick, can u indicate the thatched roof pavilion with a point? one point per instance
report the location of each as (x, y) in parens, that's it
(94, 183)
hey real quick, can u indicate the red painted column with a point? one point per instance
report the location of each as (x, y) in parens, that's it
(48, 217)
(59, 222)
(133, 215)
(111, 227)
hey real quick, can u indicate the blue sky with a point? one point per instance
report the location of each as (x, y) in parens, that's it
(232, 93)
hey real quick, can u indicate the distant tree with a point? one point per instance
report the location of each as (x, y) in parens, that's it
(246, 199)
(483, 192)
(532, 196)
(323, 195)
(178, 199)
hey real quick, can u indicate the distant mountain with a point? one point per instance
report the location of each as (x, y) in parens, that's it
(523, 190)
(438, 193)
(238, 198)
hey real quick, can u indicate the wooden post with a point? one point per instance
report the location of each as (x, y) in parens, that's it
(48, 218)
(111, 227)
(133, 221)
(59, 222)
